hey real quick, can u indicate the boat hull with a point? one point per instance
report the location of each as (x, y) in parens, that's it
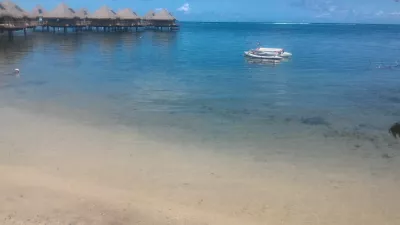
(286, 55)
(271, 57)
(272, 51)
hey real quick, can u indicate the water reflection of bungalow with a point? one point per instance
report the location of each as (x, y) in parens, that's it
(61, 16)
(103, 17)
(128, 18)
(160, 38)
(14, 52)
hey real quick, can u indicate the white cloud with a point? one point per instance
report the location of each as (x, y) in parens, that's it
(319, 6)
(184, 8)
(332, 8)
(380, 13)
(394, 13)
(159, 9)
(323, 15)
(340, 10)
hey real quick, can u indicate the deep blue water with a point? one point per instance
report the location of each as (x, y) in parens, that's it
(197, 80)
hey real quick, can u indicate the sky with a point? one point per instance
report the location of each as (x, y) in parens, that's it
(342, 11)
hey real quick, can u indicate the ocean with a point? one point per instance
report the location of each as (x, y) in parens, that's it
(233, 140)
(197, 82)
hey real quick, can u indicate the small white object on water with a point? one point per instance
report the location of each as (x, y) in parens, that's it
(268, 53)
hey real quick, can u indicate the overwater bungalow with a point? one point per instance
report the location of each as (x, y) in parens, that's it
(6, 18)
(147, 19)
(163, 18)
(61, 16)
(38, 13)
(103, 17)
(83, 15)
(15, 17)
(127, 18)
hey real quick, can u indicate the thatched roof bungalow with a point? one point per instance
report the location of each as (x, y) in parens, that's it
(61, 16)
(15, 9)
(13, 16)
(103, 17)
(38, 12)
(3, 11)
(163, 15)
(127, 18)
(6, 18)
(149, 15)
(83, 13)
(161, 18)
(146, 19)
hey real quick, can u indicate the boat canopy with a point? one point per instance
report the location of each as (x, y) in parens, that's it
(270, 49)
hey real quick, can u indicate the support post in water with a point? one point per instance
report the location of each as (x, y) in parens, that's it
(10, 35)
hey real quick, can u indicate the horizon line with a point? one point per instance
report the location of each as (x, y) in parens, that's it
(286, 23)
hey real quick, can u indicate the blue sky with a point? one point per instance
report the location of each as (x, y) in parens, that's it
(352, 11)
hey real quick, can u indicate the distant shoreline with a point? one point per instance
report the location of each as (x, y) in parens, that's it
(291, 23)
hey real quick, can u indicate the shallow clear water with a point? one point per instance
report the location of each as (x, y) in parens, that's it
(196, 80)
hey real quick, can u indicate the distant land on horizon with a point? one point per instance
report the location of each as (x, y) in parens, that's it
(287, 23)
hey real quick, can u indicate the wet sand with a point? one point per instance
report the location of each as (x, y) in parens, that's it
(59, 171)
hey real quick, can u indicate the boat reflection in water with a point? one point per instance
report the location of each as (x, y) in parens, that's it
(268, 62)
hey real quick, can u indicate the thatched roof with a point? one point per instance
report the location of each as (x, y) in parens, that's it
(83, 13)
(104, 13)
(38, 11)
(149, 15)
(127, 14)
(14, 10)
(62, 11)
(3, 11)
(163, 15)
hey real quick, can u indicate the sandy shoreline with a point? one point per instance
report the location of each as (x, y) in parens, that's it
(54, 171)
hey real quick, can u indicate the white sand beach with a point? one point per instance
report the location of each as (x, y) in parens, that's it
(58, 171)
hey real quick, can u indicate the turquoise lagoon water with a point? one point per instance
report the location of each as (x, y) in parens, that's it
(195, 84)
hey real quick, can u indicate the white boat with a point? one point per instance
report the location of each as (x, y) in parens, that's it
(262, 56)
(273, 51)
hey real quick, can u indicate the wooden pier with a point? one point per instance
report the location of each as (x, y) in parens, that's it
(64, 19)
